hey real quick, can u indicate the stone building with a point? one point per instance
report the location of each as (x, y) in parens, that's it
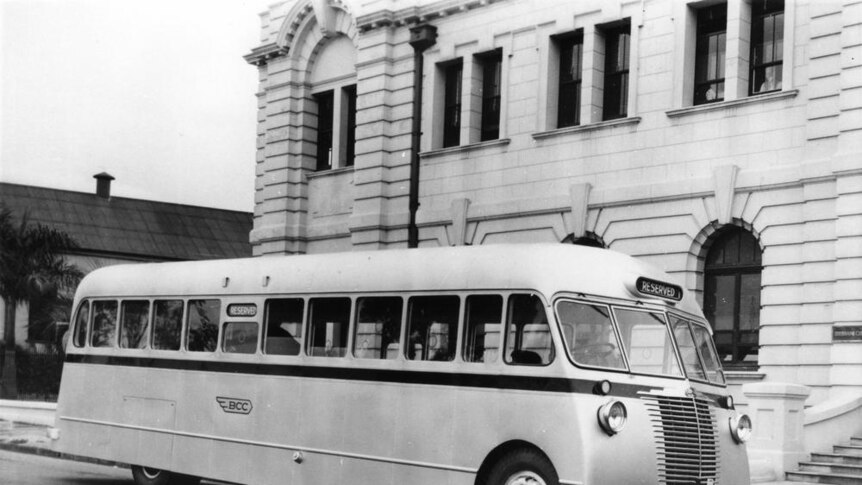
(719, 140)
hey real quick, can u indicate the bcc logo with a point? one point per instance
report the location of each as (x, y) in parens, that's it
(234, 405)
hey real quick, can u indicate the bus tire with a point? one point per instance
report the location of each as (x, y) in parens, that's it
(154, 476)
(523, 466)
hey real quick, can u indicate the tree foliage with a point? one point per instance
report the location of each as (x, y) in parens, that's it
(31, 264)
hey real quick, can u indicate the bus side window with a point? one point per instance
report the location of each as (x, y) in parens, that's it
(134, 316)
(81, 321)
(283, 326)
(328, 322)
(482, 328)
(378, 327)
(240, 337)
(529, 336)
(203, 325)
(432, 327)
(167, 324)
(104, 324)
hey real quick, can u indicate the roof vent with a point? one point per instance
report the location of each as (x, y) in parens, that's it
(103, 184)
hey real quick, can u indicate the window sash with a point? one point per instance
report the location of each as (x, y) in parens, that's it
(616, 85)
(325, 112)
(569, 94)
(491, 88)
(452, 105)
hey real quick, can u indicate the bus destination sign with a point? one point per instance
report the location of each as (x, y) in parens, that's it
(660, 289)
(242, 310)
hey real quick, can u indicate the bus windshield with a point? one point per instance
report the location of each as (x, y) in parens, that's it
(697, 350)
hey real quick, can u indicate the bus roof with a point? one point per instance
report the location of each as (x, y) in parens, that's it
(548, 268)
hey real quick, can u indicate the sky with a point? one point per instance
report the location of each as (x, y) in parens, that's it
(154, 92)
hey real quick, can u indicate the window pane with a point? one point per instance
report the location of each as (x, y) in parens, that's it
(378, 327)
(491, 83)
(687, 349)
(325, 107)
(134, 321)
(167, 324)
(452, 105)
(482, 328)
(81, 322)
(707, 353)
(104, 324)
(350, 128)
(240, 337)
(749, 316)
(432, 326)
(283, 326)
(589, 334)
(647, 343)
(328, 328)
(203, 325)
(615, 99)
(529, 337)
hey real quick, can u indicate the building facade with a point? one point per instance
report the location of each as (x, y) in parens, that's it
(721, 141)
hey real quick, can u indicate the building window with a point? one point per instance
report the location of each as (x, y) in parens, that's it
(732, 296)
(767, 46)
(710, 54)
(452, 104)
(571, 49)
(349, 97)
(491, 64)
(616, 85)
(325, 108)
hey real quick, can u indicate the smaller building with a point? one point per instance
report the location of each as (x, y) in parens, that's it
(113, 230)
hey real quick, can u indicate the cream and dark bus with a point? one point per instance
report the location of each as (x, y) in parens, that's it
(497, 365)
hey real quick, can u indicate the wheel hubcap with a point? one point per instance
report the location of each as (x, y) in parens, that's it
(525, 478)
(151, 473)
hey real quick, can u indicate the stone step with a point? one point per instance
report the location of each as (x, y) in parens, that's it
(833, 478)
(835, 458)
(856, 441)
(836, 468)
(854, 450)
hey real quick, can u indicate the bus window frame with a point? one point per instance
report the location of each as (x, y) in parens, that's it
(115, 342)
(307, 313)
(120, 322)
(668, 334)
(405, 334)
(354, 325)
(152, 337)
(506, 323)
(626, 369)
(76, 328)
(689, 320)
(303, 324)
(462, 327)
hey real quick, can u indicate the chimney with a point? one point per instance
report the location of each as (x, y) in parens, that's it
(103, 184)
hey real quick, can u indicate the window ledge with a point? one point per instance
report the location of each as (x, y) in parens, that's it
(759, 98)
(590, 127)
(740, 376)
(465, 148)
(329, 173)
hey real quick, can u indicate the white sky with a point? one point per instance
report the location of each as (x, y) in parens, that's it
(154, 92)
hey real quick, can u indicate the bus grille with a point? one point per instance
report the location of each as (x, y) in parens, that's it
(687, 439)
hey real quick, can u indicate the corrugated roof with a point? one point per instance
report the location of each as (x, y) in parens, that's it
(134, 227)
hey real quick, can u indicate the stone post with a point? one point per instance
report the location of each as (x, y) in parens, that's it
(776, 411)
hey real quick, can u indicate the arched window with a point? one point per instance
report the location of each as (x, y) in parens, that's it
(333, 88)
(732, 295)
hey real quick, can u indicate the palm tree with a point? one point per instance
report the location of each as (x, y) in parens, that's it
(31, 263)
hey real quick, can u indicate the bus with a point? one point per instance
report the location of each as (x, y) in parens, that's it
(487, 365)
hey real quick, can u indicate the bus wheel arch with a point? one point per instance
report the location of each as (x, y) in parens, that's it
(154, 476)
(515, 455)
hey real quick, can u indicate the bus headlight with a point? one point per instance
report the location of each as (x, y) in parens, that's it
(740, 428)
(612, 417)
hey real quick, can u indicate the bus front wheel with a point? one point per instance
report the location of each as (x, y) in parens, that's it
(154, 476)
(523, 467)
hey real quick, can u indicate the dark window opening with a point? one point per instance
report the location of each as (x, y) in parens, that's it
(378, 327)
(482, 328)
(432, 327)
(328, 322)
(571, 49)
(767, 46)
(492, 64)
(452, 104)
(283, 326)
(325, 107)
(528, 341)
(616, 86)
(732, 296)
(350, 125)
(709, 54)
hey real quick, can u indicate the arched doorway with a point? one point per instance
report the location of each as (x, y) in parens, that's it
(731, 299)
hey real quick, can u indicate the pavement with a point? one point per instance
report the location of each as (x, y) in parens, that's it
(33, 438)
